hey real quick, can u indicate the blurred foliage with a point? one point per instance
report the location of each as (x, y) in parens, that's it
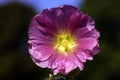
(14, 19)
(15, 61)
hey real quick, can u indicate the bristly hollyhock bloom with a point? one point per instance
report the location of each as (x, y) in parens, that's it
(62, 39)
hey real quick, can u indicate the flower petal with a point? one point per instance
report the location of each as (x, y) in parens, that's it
(42, 52)
(56, 16)
(44, 23)
(42, 64)
(38, 36)
(77, 62)
(49, 63)
(96, 49)
(87, 43)
(69, 66)
(83, 55)
(68, 10)
(63, 65)
(78, 20)
(84, 33)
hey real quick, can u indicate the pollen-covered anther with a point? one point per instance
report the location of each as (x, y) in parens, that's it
(65, 44)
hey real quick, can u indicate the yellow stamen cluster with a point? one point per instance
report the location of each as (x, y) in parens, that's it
(65, 43)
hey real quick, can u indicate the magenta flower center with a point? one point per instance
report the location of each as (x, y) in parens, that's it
(65, 43)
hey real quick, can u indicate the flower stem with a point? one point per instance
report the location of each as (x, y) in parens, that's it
(50, 77)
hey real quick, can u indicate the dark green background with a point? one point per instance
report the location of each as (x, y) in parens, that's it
(15, 61)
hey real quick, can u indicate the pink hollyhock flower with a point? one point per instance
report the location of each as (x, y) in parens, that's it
(62, 39)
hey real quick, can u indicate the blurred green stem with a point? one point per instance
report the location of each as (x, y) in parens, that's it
(50, 77)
